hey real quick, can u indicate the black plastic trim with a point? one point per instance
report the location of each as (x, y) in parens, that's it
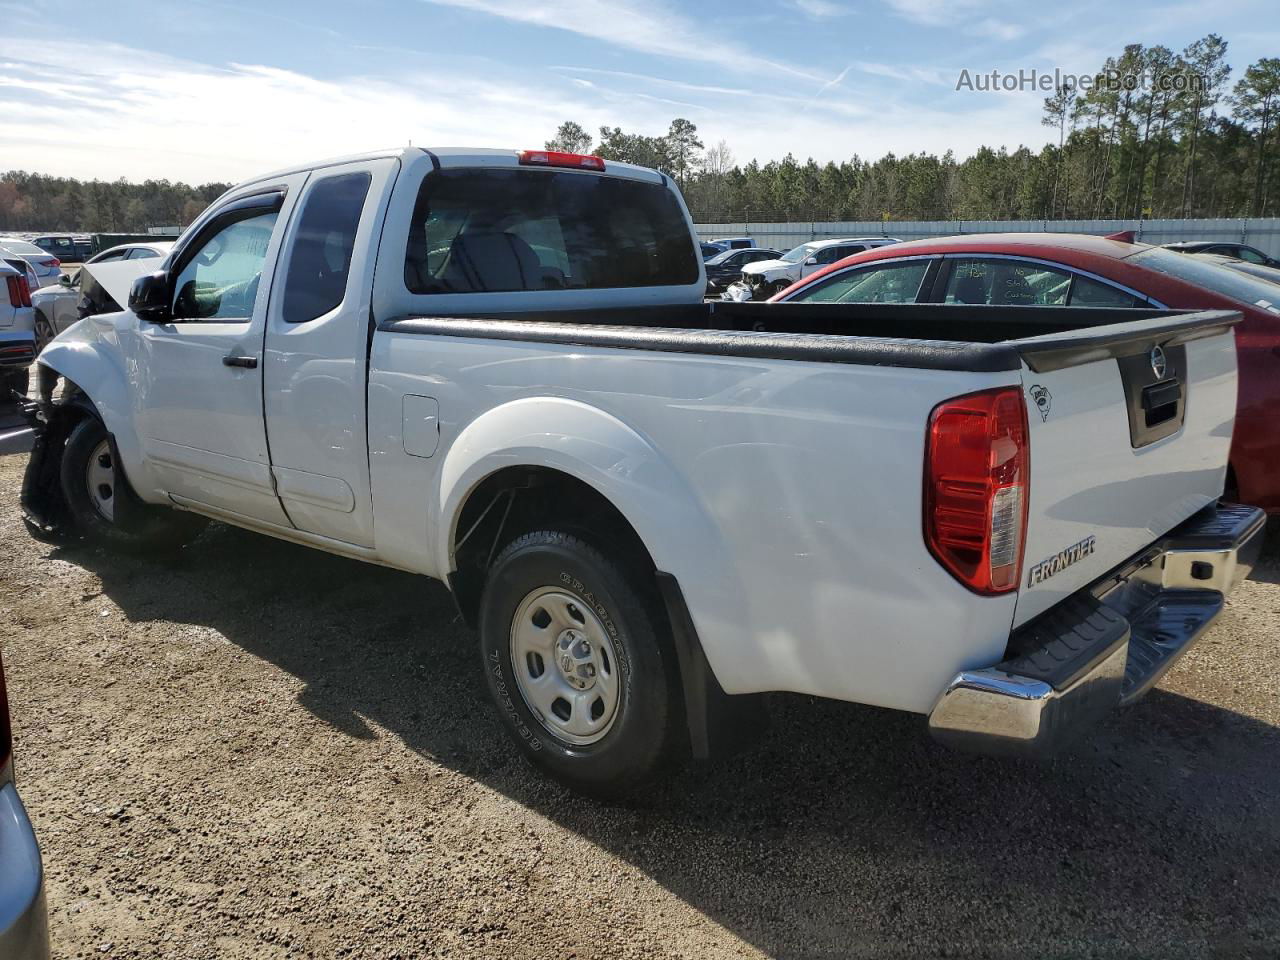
(1060, 350)
(829, 348)
(435, 161)
(718, 722)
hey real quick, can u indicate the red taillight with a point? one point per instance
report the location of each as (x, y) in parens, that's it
(16, 285)
(6, 734)
(558, 158)
(977, 473)
(24, 289)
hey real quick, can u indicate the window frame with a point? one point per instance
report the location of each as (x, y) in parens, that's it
(926, 281)
(943, 277)
(246, 207)
(287, 255)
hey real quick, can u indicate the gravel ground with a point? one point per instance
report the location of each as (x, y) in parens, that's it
(253, 750)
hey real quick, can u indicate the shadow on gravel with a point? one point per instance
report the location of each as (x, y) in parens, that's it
(846, 832)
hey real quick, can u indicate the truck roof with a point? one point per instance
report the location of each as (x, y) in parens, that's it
(456, 157)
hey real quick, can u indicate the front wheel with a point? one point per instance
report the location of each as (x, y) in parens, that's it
(102, 505)
(574, 662)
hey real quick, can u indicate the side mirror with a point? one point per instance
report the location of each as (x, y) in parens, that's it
(149, 297)
(65, 280)
(811, 262)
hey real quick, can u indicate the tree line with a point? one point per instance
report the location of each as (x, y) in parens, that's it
(1177, 139)
(34, 201)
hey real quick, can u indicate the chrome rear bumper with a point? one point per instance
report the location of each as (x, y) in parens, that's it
(1107, 645)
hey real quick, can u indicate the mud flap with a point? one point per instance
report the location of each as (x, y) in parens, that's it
(41, 497)
(719, 724)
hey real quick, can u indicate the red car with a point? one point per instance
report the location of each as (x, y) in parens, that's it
(1071, 270)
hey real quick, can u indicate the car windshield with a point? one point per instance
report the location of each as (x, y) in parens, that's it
(1211, 276)
(22, 249)
(720, 258)
(802, 252)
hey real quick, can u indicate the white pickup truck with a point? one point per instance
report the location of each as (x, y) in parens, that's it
(496, 369)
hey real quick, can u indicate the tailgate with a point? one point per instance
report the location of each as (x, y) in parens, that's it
(1130, 428)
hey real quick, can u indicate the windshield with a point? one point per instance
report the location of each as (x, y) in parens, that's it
(799, 253)
(22, 248)
(1211, 276)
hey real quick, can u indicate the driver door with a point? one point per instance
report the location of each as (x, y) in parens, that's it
(199, 376)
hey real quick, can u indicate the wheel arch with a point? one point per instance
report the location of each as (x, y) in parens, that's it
(575, 463)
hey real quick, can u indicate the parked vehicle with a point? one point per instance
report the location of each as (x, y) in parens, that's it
(81, 294)
(497, 369)
(17, 336)
(765, 278)
(47, 268)
(734, 243)
(710, 250)
(61, 246)
(1052, 269)
(1255, 270)
(726, 267)
(25, 268)
(1241, 251)
(24, 923)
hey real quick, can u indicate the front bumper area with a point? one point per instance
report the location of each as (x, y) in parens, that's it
(1105, 646)
(24, 924)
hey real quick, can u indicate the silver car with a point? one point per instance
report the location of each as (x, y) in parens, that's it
(80, 295)
(47, 267)
(24, 921)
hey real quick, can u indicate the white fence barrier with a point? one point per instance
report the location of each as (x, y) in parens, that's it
(1261, 233)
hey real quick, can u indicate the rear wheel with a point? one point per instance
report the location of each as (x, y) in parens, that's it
(574, 663)
(101, 503)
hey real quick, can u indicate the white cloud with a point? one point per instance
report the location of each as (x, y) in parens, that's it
(646, 27)
(821, 9)
(965, 16)
(97, 110)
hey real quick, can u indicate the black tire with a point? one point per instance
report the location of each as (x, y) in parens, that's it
(778, 287)
(15, 380)
(134, 525)
(640, 735)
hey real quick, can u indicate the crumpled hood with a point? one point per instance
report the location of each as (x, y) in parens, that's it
(117, 276)
(769, 266)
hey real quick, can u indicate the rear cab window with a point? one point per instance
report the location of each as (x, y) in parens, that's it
(487, 230)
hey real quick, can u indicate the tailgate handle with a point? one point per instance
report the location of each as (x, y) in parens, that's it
(1160, 401)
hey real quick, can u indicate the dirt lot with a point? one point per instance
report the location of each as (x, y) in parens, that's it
(253, 750)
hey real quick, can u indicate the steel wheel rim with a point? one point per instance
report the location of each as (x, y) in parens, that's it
(100, 481)
(566, 666)
(44, 334)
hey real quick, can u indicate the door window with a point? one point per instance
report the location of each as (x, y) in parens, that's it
(1090, 293)
(1007, 282)
(1249, 255)
(220, 279)
(891, 283)
(321, 259)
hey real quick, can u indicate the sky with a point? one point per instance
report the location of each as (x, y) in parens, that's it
(220, 90)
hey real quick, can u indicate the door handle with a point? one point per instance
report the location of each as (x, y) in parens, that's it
(248, 363)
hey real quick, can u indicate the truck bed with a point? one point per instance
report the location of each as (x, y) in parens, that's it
(925, 336)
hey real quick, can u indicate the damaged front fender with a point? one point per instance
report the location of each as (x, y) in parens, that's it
(51, 419)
